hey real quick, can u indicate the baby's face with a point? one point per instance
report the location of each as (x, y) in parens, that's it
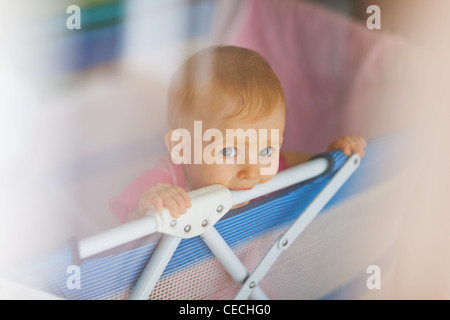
(249, 156)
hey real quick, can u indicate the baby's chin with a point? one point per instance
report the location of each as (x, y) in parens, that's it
(240, 205)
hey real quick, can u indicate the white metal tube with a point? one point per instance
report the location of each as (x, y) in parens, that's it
(155, 267)
(303, 220)
(224, 254)
(116, 236)
(147, 225)
(228, 259)
(283, 179)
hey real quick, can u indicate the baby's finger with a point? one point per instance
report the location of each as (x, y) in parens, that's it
(363, 142)
(360, 146)
(157, 202)
(172, 206)
(185, 197)
(176, 195)
(176, 202)
(359, 150)
(345, 147)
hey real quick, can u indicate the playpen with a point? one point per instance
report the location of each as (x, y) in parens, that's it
(312, 232)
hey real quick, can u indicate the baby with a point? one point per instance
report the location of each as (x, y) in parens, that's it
(234, 97)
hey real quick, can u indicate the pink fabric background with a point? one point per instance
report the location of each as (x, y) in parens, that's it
(337, 74)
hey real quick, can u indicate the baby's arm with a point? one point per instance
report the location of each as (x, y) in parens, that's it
(162, 195)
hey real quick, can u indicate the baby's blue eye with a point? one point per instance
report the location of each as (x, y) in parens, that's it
(266, 152)
(229, 152)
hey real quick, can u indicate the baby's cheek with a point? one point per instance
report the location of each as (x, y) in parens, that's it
(269, 167)
(265, 178)
(218, 174)
(265, 161)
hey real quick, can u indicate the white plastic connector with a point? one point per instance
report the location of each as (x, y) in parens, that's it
(208, 205)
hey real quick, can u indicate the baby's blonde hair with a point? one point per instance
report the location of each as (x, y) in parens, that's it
(224, 76)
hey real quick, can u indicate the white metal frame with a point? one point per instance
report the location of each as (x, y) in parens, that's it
(307, 216)
(209, 205)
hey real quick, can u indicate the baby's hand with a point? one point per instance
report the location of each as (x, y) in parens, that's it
(349, 145)
(164, 195)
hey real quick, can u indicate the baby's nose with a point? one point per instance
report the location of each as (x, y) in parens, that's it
(249, 172)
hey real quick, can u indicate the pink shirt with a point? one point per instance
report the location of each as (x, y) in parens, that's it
(165, 171)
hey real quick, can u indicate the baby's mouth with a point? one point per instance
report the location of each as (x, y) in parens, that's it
(243, 203)
(240, 205)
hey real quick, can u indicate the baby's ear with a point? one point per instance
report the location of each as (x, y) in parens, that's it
(168, 140)
(180, 138)
(180, 151)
